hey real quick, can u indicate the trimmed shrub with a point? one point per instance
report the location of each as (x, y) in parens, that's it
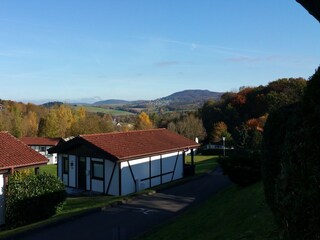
(242, 166)
(291, 166)
(30, 198)
(210, 152)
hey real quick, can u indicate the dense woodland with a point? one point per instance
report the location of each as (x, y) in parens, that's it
(240, 117)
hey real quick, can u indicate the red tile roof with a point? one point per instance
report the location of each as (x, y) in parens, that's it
(132, 144)
(40, 141)
(14, 153)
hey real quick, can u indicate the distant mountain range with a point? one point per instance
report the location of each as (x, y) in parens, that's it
(112, 102)
(184, 100)
(184, 97)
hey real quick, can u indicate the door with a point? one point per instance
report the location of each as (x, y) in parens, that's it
(82, 177)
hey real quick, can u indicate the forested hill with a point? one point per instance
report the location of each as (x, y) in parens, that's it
(192, 96)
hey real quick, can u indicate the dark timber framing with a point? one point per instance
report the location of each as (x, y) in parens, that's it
(175, 165)
(120, 182)
(110, 180)
(150, 176)
(160, 169)
(155, 164)
(132, 175)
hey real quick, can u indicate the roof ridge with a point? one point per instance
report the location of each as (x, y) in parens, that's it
(123, 132)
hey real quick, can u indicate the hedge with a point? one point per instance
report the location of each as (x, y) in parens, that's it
(291, 166)
(242, 166)
(30, 198)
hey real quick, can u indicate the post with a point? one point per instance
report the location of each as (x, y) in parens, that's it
(192, 157)
(224, 146)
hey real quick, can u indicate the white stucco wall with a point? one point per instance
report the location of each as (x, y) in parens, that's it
(52, 158)
(159, 165)
(114, 185)
(2, 200)
(59, 167)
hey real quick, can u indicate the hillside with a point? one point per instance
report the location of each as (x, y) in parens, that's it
(184, 100)
(112, 102)
(183, 97)
(192, 96)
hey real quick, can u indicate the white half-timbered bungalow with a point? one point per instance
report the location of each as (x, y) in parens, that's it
(124, 162)
(15, 155)
(42, 144)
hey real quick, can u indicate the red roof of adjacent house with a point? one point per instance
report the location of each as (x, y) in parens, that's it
(40, 141)
(132, 144)
(14, 153)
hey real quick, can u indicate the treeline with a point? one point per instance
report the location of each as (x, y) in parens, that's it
(240, 117)
(57, 121)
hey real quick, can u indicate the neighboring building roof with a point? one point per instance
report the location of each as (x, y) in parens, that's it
(129, 145)
(16, 154)
(41, 141)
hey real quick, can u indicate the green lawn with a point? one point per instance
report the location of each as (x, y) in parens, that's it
(236, 213)
(76, 205)
(204, 164)
(51, 169)
(112, 112)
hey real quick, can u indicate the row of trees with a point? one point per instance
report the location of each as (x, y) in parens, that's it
(58, 121)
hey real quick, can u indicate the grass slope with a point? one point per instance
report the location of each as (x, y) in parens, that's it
(112, 112)
(236, 213)
(51, 169)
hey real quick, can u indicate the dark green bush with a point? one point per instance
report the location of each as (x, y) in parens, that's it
(210, 152)
(30, 198)
(291, 166)
(242, 166)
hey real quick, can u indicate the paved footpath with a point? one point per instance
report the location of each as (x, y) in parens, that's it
(135, 217)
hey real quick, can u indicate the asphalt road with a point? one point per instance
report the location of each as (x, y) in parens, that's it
(135, 217)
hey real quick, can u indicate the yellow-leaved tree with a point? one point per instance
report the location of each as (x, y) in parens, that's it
(143, 122)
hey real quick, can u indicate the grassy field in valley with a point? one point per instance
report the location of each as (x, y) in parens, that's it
(112, 112)
(234, 214)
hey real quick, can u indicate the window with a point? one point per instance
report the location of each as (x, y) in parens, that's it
(65, 164)
(97, 170)
(42, 149)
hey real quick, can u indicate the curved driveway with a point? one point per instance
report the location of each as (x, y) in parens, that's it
(135, 217)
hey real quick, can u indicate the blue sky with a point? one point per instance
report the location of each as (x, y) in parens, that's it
(146, 49)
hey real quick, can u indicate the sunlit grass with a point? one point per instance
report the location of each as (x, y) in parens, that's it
(51, 169)
(236, 213)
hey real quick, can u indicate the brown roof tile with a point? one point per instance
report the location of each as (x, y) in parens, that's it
(128, 145)
(40, 141)
(124, 145)
(14, 153)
